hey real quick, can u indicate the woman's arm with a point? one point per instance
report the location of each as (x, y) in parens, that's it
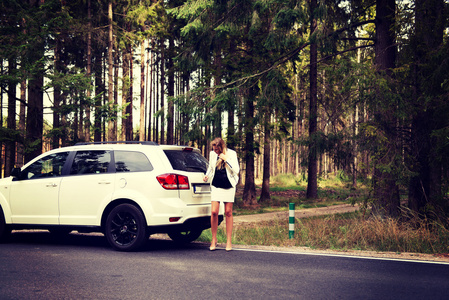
(232, 161)
(210, 169)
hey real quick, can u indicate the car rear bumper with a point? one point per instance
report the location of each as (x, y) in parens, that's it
(198, 223)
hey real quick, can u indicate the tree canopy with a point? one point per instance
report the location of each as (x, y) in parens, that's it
(295, 86)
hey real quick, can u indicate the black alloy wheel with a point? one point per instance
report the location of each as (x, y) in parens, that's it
(126, 228)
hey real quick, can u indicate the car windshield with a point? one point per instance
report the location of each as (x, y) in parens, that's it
(190, 161)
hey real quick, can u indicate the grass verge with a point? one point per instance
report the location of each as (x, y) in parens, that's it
(343, 232)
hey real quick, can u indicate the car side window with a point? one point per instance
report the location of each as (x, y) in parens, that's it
(90, 162)
(131, 161)
(48, 166)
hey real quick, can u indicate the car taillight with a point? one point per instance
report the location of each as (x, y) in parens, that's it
(173, 181)
(183, 182)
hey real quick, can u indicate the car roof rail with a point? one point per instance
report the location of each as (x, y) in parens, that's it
(118, 142)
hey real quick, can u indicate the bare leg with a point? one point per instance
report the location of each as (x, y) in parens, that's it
(229, 225)
(215, 207)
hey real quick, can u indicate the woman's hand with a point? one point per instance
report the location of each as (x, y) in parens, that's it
(205, 178)
(222, 156)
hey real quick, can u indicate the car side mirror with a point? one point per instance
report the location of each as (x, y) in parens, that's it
(15, 172)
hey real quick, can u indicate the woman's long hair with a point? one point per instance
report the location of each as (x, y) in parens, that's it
(221, 145)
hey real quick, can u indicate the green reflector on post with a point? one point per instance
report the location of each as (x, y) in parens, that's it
(291, 220)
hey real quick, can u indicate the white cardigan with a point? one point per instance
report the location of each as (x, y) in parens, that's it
(232, 166)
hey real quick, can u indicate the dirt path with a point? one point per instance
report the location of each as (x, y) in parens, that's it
(301, 213)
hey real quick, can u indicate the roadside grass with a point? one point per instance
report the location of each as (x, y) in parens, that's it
(343, 232)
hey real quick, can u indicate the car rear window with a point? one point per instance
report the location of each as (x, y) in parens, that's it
(190, 161)
(131, 161)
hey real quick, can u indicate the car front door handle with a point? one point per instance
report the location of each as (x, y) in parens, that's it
(51, 185)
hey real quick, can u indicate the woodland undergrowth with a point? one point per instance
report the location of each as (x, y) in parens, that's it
(350, 231)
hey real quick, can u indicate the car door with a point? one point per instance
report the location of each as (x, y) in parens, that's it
(89, 185)
(134, 179)
(34, 194)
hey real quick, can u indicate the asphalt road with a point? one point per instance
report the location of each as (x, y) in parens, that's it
(37, 266)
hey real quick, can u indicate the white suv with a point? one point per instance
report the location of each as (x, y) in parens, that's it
(127, 190)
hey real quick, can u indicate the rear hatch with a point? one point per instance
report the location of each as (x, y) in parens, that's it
(189, 164)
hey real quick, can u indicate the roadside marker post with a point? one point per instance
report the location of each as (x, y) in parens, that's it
(291, 220)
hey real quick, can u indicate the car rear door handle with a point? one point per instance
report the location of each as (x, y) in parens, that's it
(51, 185)
(104, 182)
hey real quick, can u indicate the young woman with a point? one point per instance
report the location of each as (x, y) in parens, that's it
(223, 173)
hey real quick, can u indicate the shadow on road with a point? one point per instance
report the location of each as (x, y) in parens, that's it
(91, 240)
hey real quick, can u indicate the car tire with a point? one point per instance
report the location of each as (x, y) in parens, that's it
(184, 237)
(5, 232)
(126, 228)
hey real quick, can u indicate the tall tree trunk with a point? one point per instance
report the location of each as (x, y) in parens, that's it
(217, 65)
(184, 117)
(35, 116)
(10, 145)
(355, 122)
(231, 137)
(249, 192)
(265, 194)
(22, 124)
(425, 187)
(355, 132)
(312, 184)
(156, 77)
(65, 140)
(112, 130)
(125, 94)
(88, 70)
(99, 89)
(116, 90)
(150, 91)
(35, 112)
(208, 133)
(129, 107)
(162, 91)
(171, 90)
(57, 96)
(142, 92)
(385, 188)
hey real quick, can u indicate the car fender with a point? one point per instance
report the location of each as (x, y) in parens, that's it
(126, 196)
(4, 198)
(154, 215)
(6, 209)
